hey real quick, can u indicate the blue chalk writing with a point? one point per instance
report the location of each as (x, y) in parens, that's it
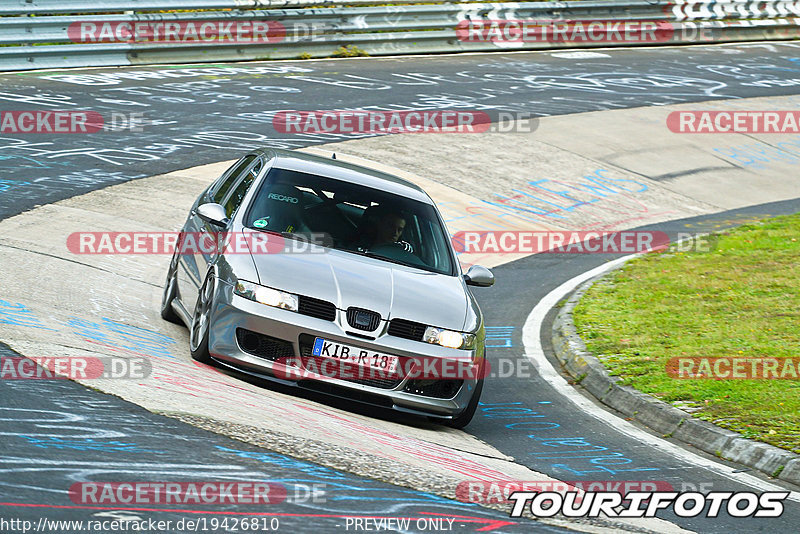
(499, 336)
(5, 185)
(84, 444)
(551, 198)
(577, 454)
(141, 339)
(20, 315)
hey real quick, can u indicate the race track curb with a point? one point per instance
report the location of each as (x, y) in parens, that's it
(657, 415)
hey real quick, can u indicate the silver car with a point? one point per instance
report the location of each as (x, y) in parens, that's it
(331, 277)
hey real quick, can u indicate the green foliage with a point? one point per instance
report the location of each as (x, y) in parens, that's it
(741, 298)
(350, 51)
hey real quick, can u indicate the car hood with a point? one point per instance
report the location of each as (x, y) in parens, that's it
(394, 291)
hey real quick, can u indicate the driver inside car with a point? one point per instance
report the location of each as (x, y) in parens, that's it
(387, 229)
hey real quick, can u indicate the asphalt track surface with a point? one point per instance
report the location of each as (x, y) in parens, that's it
(64, 433)
(204, 114)
(200, 116)
(527, 419)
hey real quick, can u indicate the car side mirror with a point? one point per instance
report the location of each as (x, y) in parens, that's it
(213, 213)
(479, 276)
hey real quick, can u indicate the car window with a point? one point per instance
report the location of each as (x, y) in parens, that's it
(221, 190)
(240, 190)
(353, 218)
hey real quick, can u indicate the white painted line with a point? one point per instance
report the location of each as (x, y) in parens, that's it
(579, 55)
(535, 353)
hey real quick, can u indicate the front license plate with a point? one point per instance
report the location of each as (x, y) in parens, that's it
(355, 355)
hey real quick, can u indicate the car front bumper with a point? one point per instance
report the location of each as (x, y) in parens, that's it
(232, 312)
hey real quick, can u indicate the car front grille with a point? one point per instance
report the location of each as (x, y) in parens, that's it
(321, 309)
(362, 319)
(263, 346)
(406, 329)
(347, 372)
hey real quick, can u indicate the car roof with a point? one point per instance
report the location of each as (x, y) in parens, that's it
(348, 172)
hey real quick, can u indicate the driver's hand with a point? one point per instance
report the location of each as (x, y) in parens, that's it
(405, 245)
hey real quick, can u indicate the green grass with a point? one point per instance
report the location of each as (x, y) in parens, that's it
(741, 299)
(349, 51)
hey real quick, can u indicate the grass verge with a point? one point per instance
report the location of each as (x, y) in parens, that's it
(740, 299)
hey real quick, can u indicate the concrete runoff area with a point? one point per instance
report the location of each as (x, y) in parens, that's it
(83, 304)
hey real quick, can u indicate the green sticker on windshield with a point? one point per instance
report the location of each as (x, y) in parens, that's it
(261, 223)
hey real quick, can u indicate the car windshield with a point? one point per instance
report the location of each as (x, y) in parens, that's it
(353, 218)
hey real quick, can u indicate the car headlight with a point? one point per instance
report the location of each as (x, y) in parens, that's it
(449, 338)
(266, 295)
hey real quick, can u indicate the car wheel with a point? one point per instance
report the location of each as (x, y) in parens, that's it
(170, 292)
(463, 419)
(198, 332)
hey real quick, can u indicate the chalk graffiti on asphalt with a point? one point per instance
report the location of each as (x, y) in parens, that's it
(578, 455)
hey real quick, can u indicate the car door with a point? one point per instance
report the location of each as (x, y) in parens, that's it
(231, 202)
(192, 264)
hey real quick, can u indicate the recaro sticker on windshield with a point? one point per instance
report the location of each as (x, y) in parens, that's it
(283, 198)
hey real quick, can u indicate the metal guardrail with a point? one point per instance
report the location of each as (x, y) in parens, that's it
(47, 41)
(52, 7)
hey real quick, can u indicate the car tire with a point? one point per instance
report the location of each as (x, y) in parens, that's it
(200, 327)
(170, 292)
(464, 418)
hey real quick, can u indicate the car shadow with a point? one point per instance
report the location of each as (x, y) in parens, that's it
(351, 405)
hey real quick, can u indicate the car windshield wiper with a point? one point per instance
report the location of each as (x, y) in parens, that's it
(290, 235)
(271, 232)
